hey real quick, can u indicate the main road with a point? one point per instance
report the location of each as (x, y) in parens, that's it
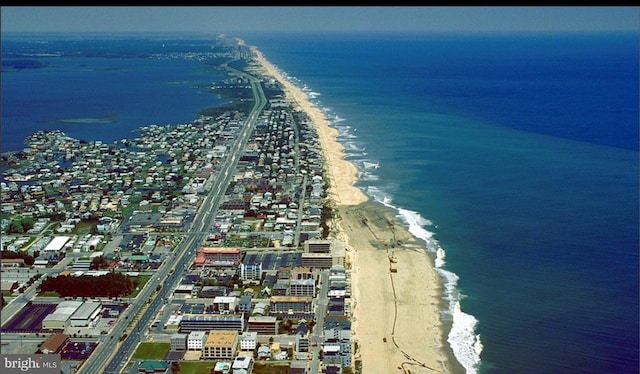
(19, 302)
(316, 338)
(117, 348)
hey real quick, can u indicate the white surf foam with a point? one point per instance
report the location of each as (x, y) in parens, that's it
(463, 339)
(369, 177)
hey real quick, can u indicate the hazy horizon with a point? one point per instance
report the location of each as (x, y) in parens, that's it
(231, 19)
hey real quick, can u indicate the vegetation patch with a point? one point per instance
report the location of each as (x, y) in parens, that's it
(151, 351)
(142, 281)
(270, 368)
(87, 226)
(242, 106)
(108, 285)
(28, 259)
(196, 367)
(20, 225)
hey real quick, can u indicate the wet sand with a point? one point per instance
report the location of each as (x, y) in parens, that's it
(396, 314)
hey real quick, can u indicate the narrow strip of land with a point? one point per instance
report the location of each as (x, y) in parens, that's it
(397, 325)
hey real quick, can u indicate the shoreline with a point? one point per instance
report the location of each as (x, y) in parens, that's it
(389, 307)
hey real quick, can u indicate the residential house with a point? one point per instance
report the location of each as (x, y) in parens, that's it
(264, 352)
(242, 365)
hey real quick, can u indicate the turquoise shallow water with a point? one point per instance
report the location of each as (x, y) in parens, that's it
(515, 157)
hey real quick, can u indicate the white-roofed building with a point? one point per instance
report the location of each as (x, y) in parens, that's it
(225, 304)
(251, 271)
(173, 323)
(196, 340)
(329, 349)
(55, 245)
(60, 318)
(242, 365)
(86, 314)
(248, 341)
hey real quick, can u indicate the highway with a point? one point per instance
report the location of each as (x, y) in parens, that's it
(117, 352)
(303, 192)
(20, 301)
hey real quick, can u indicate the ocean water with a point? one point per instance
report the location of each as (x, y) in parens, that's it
(515, 157)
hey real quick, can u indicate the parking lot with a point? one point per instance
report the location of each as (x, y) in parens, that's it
(29, 319)
(77, 350)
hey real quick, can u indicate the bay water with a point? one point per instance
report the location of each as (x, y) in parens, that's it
(515, 158)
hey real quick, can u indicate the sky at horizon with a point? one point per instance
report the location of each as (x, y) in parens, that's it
(228, 19)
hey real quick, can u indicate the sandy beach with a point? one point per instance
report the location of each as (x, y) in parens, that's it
(396, 314)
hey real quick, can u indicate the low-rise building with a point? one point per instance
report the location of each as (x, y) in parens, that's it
(55, 246)
(218, 257)
(248, 341)
(12, 262)
(221, 345)
(195, 340)
(298, 367)
(290, 304)
(245, 304)
(179, 342)
(242, 365)
(54, 344)
(264, 352)
(263, 325)
(225, 304)
(153, 367)
(60, 318)
(302, 337)
(87, 314)
(302, 287)
(206, 322)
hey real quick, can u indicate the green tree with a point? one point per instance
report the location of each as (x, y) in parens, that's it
(16, 227)
(108, 285)
(99, 262)
(28, 223)
(29, 260)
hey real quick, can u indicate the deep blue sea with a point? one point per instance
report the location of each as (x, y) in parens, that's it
(514, 156)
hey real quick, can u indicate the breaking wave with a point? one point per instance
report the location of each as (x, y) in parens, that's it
(463, 339)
